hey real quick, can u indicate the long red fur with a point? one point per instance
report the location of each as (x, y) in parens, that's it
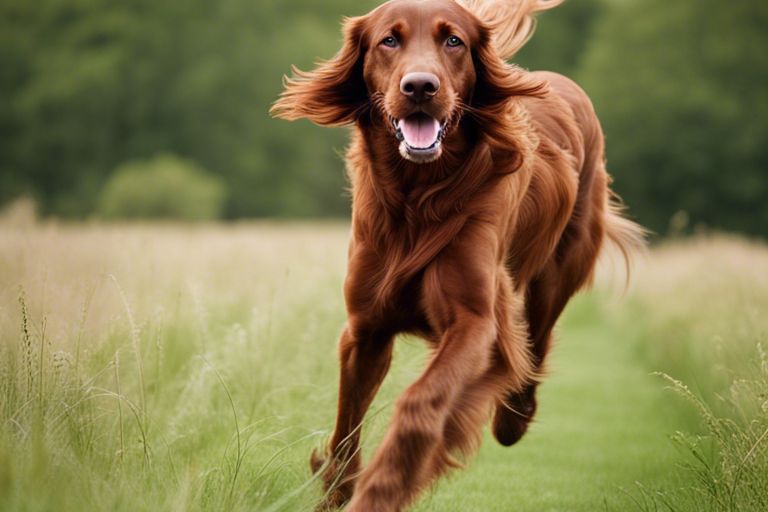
(477, 252)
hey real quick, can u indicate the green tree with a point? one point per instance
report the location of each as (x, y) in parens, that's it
(682, 90)
(86, 85)
(561, 37)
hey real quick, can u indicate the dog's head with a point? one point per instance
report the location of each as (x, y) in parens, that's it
(414, 67)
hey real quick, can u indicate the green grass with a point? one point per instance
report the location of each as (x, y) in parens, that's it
(194, 368)
(699, 318)
(603, 426)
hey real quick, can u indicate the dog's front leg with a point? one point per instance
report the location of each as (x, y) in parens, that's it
(364, 357)
(458, 296)
(404, 462)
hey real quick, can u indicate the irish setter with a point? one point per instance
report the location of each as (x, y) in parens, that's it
(480, 202)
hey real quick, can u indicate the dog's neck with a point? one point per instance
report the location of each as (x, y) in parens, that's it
(414, 193)
(413, 210)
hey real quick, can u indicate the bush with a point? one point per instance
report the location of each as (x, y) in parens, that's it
(164, 187)
(19, 213)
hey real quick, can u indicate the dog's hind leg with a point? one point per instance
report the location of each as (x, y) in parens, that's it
(547, 296)
(569, 269)
(364, 361)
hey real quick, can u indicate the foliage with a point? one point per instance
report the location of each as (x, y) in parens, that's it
(86, 86)
(164, 187)
(562, 36)
(680, 89)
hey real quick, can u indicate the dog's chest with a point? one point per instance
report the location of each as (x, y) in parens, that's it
(380, 291)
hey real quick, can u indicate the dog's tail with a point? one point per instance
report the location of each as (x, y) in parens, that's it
(628, 237)
(511, 21)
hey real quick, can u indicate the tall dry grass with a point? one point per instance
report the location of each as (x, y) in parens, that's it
(700, 317)
(171, 367)
(118, 349)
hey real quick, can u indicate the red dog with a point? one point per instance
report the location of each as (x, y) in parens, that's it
(480, 204)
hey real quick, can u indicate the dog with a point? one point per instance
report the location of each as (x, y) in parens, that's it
(480, 204)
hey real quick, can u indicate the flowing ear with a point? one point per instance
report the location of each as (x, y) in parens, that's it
(502, 119)
(334, 93)
(512, 22)
(498, 81)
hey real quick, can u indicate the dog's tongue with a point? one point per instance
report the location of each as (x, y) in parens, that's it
(419, 130)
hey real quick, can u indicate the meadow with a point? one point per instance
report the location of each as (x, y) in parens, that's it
(193, 367)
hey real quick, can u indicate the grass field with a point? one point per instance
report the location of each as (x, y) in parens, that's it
(194, 368)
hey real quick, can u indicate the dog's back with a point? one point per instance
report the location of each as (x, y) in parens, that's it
(571, 140)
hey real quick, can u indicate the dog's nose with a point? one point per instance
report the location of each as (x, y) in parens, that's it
(419, 86)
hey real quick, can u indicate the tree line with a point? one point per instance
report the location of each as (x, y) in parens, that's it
(88, 88)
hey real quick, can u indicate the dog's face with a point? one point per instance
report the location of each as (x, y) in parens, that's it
(412, 68)
(419, 66)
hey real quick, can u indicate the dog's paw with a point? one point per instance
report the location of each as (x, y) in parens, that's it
(338, 481)
(511, 420)
(334, 500)
(317, 460)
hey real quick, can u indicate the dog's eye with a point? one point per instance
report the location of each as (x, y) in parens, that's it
(389, 42)
(453, 42)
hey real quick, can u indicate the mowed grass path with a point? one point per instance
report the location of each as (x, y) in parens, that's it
(602, 431)
(197, 330)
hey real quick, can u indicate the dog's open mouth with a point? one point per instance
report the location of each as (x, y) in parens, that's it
(420, 137)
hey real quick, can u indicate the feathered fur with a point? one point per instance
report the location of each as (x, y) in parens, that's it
(511, 21)
(477, 251)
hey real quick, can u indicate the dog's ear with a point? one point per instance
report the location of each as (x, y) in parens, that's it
(334, 93)
(498, 116)
(496, 80)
